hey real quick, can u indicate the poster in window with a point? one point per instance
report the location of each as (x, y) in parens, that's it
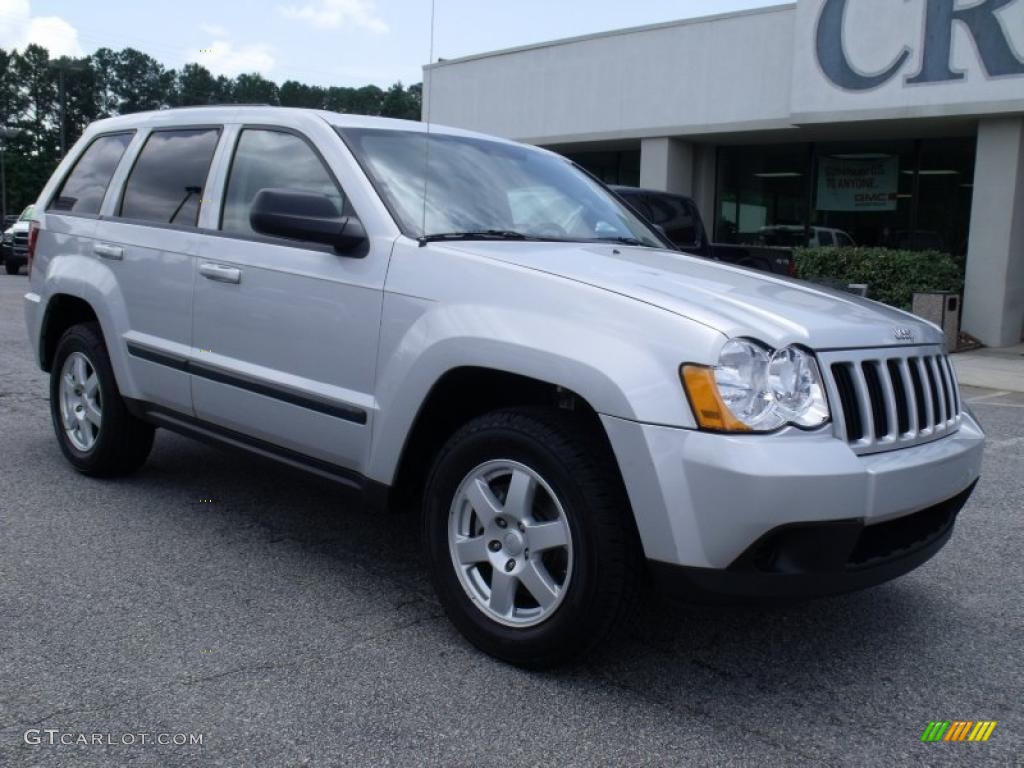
(858, 185)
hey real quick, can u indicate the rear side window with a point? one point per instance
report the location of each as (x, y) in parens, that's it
(267, 159)
(84, 188)
(166, 184)
(825, 238)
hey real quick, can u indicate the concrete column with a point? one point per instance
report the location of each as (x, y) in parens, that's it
(994, 293)
(705, 166)
(666, 164)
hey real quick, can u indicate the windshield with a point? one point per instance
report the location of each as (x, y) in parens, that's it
(26, 214)
(483, 187)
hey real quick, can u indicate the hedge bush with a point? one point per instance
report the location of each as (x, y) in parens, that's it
(892, 276)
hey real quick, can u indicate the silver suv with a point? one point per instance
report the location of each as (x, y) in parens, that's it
(483, 330)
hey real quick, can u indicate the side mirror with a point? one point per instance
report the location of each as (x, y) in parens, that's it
(305, 216)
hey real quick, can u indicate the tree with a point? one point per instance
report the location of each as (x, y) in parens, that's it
(254, 89)
(197, 86)
(367, 100)
(120, 82)
(295, 94)
(80, 98)
(103, 64)
(401, 103)
(141, 82)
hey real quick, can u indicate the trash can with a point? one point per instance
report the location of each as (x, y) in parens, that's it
(943, 309)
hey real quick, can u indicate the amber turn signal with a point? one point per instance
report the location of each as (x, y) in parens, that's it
(708, 407)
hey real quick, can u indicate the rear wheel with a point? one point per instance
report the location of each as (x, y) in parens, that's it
(95, 431)
(527, 530)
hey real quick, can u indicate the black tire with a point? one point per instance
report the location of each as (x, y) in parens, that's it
(572, 457)
(12, 266)
(123, 442)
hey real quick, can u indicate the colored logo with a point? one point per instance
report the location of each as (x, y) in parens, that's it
(958, 730)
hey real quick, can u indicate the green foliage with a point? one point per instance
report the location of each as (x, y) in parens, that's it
(120, 82)
(892, 276)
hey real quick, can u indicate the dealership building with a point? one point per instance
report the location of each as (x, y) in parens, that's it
(893, 123)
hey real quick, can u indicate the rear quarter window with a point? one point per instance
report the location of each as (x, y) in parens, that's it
(84, 188)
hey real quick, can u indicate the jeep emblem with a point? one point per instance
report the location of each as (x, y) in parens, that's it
(904, 334)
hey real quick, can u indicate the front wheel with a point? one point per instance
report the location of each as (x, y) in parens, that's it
(12, 266)
(529, 536)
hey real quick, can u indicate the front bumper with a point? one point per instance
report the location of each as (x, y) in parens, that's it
(815, 559)
(706, 501)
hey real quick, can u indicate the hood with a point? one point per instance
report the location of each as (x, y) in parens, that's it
(733, 300)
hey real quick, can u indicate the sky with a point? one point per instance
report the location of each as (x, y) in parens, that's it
(324, 42)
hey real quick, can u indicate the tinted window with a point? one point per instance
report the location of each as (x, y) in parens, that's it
(266, 159)
(85, 186)
(676, 217)
(635, 201)
(825, 237)
(166, 184)
(638, 204)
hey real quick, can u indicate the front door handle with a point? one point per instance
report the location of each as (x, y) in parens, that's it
(220, 273)
(108, 251)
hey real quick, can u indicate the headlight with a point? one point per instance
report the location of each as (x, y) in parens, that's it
(756, 389)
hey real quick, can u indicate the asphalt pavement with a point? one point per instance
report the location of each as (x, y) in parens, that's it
(259, 607)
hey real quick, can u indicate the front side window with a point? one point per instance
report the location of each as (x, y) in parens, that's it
(84, 188)
(438, 184)
(268, 159)
(166, 184)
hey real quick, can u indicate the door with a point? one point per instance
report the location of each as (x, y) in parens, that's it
(285, 332)
(150, 244)
(72, 213)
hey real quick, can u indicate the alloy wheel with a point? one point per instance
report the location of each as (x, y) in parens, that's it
(510, 543)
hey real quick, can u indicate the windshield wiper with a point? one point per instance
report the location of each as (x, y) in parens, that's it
(484, 234)
(624, 241)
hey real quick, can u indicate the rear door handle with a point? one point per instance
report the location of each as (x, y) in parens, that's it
(220, 273)
(108, 251)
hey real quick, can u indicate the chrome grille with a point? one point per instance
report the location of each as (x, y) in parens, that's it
(884, 399)
(20, 244)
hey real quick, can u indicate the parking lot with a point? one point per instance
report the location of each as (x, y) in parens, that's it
(223, 595)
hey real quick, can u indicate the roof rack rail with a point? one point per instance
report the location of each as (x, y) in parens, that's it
(215, 106)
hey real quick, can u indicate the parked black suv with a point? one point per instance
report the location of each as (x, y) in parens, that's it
(679, 219)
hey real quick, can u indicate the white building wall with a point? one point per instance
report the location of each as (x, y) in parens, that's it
(695, 76)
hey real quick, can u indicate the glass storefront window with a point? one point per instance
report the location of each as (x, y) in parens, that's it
(621, 167)
(945, 190)
(865, 190)
(762, 192)
(895, 194)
